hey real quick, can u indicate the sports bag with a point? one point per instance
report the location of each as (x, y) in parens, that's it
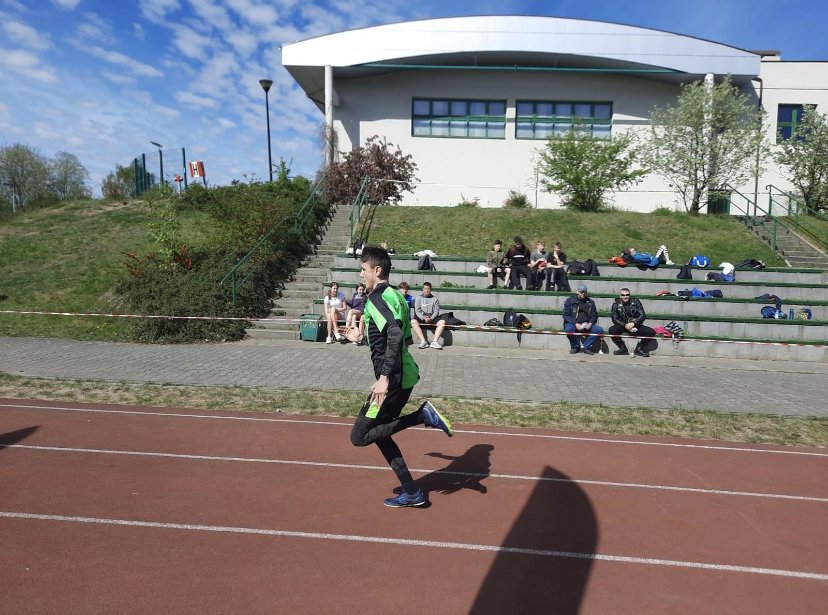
(425, 264)
(493, 322)
(685, 273)
(700, 260)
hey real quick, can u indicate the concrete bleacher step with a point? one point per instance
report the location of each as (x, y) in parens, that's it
(639, 286)
(817, 275)
(734, 318)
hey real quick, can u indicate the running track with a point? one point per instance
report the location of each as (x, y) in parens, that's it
(117, 509)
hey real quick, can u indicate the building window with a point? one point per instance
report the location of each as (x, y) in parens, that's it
(460, 119)
(541, 119)
(788, 117)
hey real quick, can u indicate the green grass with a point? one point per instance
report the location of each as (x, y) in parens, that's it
(702, 424)
(66, 259)
(469, 232)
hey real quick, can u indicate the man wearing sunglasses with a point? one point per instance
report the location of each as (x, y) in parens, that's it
(628, 317)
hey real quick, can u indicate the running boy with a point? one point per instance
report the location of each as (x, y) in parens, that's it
(389, 332)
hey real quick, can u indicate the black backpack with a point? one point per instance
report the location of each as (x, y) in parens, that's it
(510, 318)
(493, 322)
(685, 273)
(576, 268)
(425, 264)
(750, 263)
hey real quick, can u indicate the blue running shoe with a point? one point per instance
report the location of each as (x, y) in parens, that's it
(435, 419)
(406, 499)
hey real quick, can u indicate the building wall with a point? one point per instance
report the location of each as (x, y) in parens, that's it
(452, 169)
(456, 168)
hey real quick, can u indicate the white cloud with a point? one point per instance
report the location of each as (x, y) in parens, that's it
(156, 10)
(190, 99)
(66, 4)
(27, 64)
(96, 29)
(254, 12)
(118, 58)
(22, 33)
(191, 43)
(118, 78)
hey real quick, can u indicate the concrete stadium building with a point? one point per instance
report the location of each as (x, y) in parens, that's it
(473, 98)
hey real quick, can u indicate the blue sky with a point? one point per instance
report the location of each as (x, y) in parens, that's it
(102, 78)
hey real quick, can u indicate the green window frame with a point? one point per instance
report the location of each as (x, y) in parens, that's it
(455, 118)
(541, 119)
(788, 117)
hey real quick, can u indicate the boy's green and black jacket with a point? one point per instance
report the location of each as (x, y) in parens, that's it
(388, 327)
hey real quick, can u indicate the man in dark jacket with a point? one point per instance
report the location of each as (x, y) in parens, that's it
(628, 317)
(518, 258)
(580, 320)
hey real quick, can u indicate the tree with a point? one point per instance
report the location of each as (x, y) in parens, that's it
(119, 185)
(23, 175)
(68, 177)
(713, 137)
(391, 170)
(805, 155)
(582, 168)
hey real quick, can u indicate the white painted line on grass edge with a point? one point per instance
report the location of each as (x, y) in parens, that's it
(647, 561)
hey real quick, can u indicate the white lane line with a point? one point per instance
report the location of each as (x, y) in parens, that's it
(735, 449)
(348, 466)
(648, 561)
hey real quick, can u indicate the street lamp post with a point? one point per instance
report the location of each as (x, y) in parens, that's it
(266, 83)
(160, 159)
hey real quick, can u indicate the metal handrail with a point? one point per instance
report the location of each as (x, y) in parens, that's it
(318, 193)
(356, 210)
(797, 219)
(754, 216)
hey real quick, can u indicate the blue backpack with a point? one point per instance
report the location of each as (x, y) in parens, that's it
(771, 312)
(700, 261)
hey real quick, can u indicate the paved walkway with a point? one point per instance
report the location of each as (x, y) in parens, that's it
(658, 382)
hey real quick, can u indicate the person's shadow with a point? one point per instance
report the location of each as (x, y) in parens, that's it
(13, 437)
(465, 471)
(545, 561)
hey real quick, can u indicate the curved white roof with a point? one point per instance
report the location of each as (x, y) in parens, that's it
(503, 39)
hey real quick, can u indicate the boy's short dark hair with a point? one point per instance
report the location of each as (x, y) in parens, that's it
(519, 240)
(377, 257)
(497, 242)
(427, 284)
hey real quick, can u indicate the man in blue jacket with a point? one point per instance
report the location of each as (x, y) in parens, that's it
(580, 318)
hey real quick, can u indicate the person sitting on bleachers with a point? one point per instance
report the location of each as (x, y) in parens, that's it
(580, 318)
(537, 263)
(628, 317)
(427, 312)
(496, 264)
(518, 258)
(556, 270)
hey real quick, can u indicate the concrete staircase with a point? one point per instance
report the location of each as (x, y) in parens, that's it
(297, 296)
(796, 251)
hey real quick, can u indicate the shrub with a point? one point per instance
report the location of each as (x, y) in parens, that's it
(516, 200)
(472, 202)
(378, 160)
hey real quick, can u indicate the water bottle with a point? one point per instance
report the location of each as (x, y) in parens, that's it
(790, 314)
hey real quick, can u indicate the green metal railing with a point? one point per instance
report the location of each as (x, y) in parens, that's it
(299, 220)
(754, 214)
(797, 218)
(356, 211)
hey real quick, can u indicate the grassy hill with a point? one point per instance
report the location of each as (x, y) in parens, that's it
(67, 258)
(469, 232)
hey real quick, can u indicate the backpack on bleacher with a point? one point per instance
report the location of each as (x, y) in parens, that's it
(700, 260)
(771, 312)
(510, 318)
(425, 264)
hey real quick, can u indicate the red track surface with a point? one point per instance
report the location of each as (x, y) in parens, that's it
(521, 521)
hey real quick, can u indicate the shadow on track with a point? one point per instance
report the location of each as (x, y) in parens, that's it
(13, 437)
(465, 471)
(558, 520)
